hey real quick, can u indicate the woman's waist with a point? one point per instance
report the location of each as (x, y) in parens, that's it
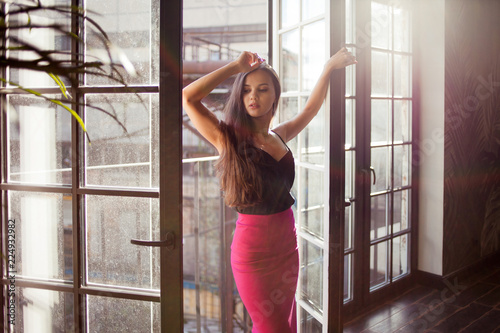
(282, 217)
(261, 233)
(272, 202)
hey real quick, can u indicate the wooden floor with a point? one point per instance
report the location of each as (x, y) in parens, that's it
(469, 306)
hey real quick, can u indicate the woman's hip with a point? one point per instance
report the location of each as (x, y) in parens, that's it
(270, 234)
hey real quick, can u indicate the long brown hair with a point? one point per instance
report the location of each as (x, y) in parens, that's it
(236, 167)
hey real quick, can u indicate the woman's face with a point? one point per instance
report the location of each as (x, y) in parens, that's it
(258, 94)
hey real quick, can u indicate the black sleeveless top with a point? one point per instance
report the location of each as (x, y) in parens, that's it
(278, 179)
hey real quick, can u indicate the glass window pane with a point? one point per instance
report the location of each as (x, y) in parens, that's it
(378, 265)
(295, 193)
(402, 165)
(290, 12)
(312, 201)
(402, 29)
(381, 122)
(289, 108)
(43, 233)
(132, 26)
(313, 53)
(401, 210)
(348, 278)
(347, 228)
(381, 26)
(42, 39)
(110, 257)
(379, 217)
(107, 314)
(350, 77)
(312, 8)
(402, 121)
(290, 61)
(381, 163)
(313, 139)
(309, 324)
(350, 25)
(381, 74)
(41, 310)
(402, 76)
(124, 149)
(203, 217)
(349, 173)
(350, 121)
(39, 141)
(311, 274)
(400, 263)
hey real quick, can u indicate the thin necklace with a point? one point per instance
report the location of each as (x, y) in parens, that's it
(266, 139)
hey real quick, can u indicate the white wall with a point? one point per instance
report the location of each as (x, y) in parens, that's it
(431, 53)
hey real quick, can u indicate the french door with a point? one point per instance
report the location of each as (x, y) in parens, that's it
(306, 34)
(379, 229)
(92, 231)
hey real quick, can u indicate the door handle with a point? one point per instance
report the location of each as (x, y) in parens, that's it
(372, 170)
(168, 242)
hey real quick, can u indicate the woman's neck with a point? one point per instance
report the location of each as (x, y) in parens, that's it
(262, 126)
(263, 132)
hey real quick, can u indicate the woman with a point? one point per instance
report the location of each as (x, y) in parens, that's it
(256, 170)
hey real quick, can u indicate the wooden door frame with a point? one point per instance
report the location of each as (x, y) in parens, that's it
(336, 173)
(365, 299)
(170, 183)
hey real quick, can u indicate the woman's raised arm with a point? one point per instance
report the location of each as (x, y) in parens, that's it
(204, 120)
(291, 128)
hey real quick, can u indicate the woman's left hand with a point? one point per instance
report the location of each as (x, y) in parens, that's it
(341, 59)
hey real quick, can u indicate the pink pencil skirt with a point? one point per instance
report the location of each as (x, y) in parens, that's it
(265, 263)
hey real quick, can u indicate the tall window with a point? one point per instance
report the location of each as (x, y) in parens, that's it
(379, 228)
(302, 49)
(77, 204)
(390, 144)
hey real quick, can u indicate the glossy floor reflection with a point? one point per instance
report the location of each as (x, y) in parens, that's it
(469, 306)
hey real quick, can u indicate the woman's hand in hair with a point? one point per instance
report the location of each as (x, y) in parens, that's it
(248, 61)
(341, 59)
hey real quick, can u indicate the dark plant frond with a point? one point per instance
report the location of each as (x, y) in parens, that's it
(61, 65)
(68, 67)
(110, 114)
(28, 8)
(52, 100)
(55, 27)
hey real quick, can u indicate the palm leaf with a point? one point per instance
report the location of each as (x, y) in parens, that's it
(49, 60)
(60, 83)
(52, 100)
